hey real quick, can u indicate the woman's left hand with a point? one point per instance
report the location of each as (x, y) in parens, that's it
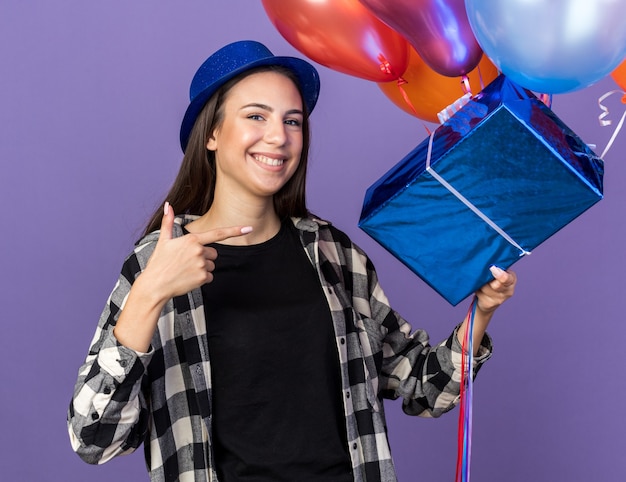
(493, 294)
(488, 298)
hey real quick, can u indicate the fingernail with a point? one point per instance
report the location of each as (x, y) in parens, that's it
(495, 271)
(246, 229)
(166, 208)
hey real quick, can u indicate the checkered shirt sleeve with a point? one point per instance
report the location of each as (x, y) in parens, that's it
(108, 415)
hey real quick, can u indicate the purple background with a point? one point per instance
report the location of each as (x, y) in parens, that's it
(91, 98)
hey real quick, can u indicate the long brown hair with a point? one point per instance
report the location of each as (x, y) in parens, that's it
(194, 187)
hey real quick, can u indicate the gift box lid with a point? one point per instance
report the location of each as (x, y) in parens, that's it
(489, 185)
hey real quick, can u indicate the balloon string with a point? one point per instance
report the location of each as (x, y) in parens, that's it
(401, 82)
(461, 421)
(464, 439)
(466, 85)
(546, 99)
(607, 122)
(458, 104)
(480, 77)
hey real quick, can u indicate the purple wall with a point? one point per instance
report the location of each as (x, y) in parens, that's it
(91, 98)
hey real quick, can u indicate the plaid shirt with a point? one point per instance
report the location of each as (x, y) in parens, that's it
(163, 398)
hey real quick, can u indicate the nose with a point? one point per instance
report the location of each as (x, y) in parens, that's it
(276, 132)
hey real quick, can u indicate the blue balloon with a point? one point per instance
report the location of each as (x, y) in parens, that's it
(551, 46)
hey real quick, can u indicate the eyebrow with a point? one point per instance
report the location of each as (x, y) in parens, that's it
(270, 109)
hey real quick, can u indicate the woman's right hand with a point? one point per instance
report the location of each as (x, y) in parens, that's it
(181, 264)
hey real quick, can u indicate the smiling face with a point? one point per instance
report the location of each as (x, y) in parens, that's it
(258, 144)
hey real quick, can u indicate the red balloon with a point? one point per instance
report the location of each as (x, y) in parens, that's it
(439, 31)
(424, 93)
(342, 35)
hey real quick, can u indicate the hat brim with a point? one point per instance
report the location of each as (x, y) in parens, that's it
(307, 76)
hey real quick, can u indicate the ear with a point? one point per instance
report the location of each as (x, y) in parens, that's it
(211, 144)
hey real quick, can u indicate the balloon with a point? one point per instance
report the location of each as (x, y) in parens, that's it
(619, 75)
(551, 46)
(439, 31)
(342, 35)
(430, 92)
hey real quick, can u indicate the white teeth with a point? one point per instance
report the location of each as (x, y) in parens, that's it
(269, 161)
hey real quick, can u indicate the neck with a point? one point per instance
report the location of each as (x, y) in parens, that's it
(261, 216)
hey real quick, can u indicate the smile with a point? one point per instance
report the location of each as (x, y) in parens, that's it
(268, 160)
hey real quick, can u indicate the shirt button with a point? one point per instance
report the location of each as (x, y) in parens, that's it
(122, 363)
(354, 446)
(347, 394)
(95, 416)
(343, 341)
(106, 390)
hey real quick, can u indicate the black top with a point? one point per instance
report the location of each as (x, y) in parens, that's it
(277, 408)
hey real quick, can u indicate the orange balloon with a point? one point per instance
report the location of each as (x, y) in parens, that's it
(619, 75)
(429, 92)
(342, 35)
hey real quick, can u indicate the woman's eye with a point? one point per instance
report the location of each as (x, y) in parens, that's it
(255, 117)
(293, 122)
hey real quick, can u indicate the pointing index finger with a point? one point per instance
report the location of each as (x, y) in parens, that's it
(220, 234)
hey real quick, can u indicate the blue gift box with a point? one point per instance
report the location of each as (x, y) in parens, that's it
(489, 185)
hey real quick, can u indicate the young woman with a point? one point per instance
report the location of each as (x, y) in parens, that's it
(247, 340)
